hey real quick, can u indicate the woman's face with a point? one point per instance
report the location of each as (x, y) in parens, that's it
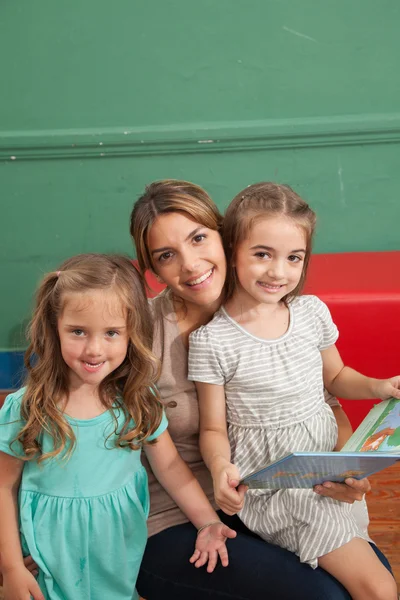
(188, 257)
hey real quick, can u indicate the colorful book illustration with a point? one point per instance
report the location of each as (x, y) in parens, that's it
(374, 446)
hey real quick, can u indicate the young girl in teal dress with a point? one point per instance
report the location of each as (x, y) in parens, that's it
(73, 492)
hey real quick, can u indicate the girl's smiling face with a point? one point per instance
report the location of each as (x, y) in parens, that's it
(188, 258)
(93, 336)
(269, 262)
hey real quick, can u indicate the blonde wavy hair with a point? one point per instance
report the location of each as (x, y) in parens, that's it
(131, 387)
(260, 201)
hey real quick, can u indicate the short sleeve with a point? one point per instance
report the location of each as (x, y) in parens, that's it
(11, 424)
(327, 332)
(203, 364)
(331, 400)
(160, 429)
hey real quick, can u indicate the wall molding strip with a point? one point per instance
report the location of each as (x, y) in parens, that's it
(187, 138)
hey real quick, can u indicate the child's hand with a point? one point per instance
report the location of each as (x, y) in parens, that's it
(20, 584)
(28, 562)
(349, 491)
(210, 544)
(386, 388)
(227, 497)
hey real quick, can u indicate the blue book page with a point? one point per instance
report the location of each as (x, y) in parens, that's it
(306, 469)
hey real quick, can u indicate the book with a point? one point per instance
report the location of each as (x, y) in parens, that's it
(374, 446)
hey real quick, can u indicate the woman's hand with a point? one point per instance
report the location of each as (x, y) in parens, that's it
(210, 544)
(228, 496)
(349, 491)
(20, 584)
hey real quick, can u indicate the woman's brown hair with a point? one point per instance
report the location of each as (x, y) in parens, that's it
(169, 196)
(260, 201)
(131, 387)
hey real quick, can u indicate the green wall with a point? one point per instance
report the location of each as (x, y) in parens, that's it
(98, 99)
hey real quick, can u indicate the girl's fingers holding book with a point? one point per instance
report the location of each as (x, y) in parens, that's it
(387, 388)
(242, 489)
(232, 474)
(362, 486)
(229, 503)
(334, 491)
(227, 496)
(395, 387)
(229, 508)
(347, 492)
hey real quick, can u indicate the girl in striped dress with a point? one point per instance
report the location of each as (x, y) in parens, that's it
(261, 366)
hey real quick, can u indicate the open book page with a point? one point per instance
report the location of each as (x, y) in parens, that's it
(374, 446)
(379, 431)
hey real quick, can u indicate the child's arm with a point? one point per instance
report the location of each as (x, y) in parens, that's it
(18, 582)
(215, 448)
(180, 483)
(344, 382)
(28, 562)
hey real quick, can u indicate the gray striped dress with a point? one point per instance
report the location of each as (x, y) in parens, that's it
(275, 404)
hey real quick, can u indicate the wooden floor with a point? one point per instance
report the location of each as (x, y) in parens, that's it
(384, 512)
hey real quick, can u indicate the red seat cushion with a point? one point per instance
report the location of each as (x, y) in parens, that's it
(155, 287)
(362, 290)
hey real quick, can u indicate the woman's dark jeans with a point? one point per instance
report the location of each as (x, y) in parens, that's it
(257, 570)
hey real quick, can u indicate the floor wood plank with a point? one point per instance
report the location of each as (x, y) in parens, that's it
(384, 511)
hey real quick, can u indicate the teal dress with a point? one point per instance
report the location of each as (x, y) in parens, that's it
(83, 520)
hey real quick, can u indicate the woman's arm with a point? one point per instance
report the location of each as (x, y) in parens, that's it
(180, 483)
(215, 448)
(18, 581)
(345, 382)
(345, 429)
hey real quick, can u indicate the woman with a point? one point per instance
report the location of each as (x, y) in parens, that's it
(175, 227)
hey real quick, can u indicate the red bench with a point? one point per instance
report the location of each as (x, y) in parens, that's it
(362, 290)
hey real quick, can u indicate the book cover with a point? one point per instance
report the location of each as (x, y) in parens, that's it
(374, 446)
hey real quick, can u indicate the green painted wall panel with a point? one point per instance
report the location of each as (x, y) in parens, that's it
(94, 64)
(98, 99)
(58, 208)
